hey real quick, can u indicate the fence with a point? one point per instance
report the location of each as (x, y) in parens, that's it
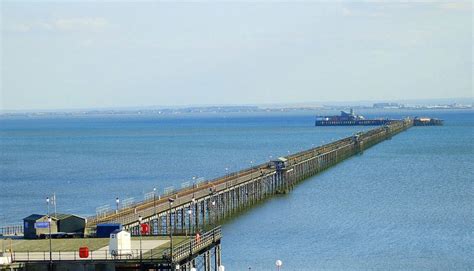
(195, 246)
(97, 255)
(11, 230)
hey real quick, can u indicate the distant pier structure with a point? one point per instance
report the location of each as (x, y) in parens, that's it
(351, 119)
(423, 121)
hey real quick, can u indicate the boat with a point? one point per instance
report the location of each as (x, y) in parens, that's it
(423, 121)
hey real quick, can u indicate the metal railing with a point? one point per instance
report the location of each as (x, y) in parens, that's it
(11, 230)
(141, 206)
(192, 247)
(93, 255)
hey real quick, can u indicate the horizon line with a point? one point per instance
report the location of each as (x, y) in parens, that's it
(259, 105)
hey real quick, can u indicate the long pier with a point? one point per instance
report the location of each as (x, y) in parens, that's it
(204, 205)
(194, 213)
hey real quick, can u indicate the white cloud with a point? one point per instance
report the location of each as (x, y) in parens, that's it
(346, 11)
(79, 24)
(456, 6)
(20, 28)
(87, 43)
(349, 12)
(62, 24)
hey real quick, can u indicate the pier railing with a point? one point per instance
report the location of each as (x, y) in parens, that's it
(193, 247)
(132, 255)
(139, 206)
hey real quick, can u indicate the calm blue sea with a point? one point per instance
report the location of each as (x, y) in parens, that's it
(405, 204)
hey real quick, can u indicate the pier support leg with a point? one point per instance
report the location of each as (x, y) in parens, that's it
(218, 256)
(207, 261)
(215, 259)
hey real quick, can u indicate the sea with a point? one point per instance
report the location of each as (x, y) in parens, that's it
(404, 204)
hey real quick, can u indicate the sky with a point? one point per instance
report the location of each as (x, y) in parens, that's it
(65, 55)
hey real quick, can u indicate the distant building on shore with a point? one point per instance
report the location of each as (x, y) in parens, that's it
(386, 105)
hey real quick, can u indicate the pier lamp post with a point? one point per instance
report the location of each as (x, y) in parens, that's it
(155, 222)
(170, 200)
(117, 202)
(194, 185)
(140, 231)
(50, 244)
(278, 264)
(47, 204)
(49, 230)
(251, 168)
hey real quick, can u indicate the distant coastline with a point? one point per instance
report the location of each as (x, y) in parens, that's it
(237, 109)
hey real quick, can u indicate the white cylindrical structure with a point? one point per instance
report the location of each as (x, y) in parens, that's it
(221, 268)
(120, 243)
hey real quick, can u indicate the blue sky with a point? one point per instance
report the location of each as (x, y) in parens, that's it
(87, 55)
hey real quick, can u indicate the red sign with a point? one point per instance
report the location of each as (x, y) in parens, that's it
(145, 228)
(83, 252)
